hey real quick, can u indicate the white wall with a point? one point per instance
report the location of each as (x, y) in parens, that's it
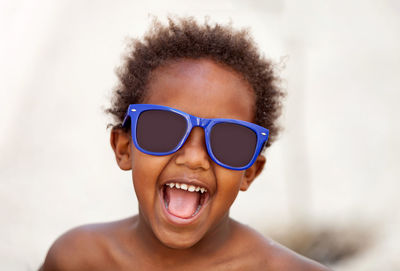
(336, 162)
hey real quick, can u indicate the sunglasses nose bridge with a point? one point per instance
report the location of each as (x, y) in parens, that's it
(197, 121)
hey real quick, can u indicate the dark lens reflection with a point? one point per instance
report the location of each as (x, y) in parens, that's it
(233, 144)
(159, 130)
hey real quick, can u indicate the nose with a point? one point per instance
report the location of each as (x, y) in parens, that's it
(193, 154)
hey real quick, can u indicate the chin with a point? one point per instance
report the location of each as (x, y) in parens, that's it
(177, 241)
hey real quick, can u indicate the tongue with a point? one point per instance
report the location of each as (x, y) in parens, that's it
(182, 203)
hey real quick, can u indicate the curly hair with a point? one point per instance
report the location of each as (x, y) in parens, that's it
(184, 38)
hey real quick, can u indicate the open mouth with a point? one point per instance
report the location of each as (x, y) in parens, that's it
(184, 200)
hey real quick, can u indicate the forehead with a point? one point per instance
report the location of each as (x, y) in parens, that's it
(203, 88)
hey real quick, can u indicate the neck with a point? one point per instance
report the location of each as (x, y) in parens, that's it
(211, 242)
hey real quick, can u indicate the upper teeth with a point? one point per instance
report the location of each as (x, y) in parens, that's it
(190, 188)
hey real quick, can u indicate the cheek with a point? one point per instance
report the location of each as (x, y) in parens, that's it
(230, 179)
(143, 164)
(229, 182)
(146, 170)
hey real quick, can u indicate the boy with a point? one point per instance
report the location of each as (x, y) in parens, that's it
(186, 111)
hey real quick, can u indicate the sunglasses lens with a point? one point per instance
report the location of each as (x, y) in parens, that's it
(160, 131)
(233, 144)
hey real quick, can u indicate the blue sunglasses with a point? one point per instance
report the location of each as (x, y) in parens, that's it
(162, 130)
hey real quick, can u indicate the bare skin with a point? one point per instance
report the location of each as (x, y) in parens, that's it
(153, 241)
(119, 246)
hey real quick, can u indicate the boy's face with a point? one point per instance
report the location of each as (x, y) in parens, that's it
(205, 89)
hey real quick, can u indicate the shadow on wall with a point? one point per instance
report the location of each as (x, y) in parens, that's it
(329, 245)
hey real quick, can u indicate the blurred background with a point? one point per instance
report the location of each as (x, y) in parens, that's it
(331, 184)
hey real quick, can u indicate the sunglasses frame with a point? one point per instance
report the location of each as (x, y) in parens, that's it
(134, 111)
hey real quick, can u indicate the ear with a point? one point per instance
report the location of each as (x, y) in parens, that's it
(252, 172)
(120, 143)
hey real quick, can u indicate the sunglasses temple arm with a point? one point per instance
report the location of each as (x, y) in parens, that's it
(126, 119)
(263, 147)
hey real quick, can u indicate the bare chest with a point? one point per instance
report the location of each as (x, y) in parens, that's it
(209, 263)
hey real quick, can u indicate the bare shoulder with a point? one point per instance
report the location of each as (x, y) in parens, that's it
(265, 254)
(87, 247)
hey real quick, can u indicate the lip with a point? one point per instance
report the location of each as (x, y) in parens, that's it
(178, 220)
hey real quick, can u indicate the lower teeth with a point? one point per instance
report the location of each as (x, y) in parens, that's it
(197, 210)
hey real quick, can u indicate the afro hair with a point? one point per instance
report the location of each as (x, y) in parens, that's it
(184, 38)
